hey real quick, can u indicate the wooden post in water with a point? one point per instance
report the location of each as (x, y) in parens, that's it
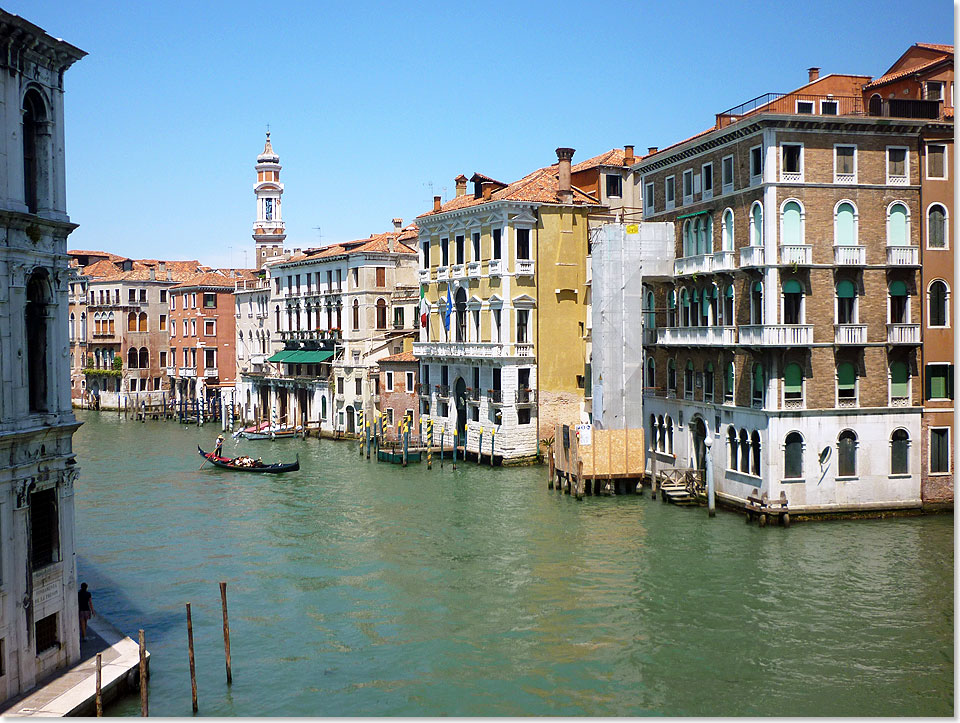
(493, 431)
(193, 667)
(455, 448)
(480, 446)
(443, 433)
(429, 444)
(99, 680)
(226, 632)
(366, 432)
(551, 468)
(143, 676)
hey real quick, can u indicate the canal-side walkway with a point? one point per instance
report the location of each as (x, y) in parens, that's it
(73, 692)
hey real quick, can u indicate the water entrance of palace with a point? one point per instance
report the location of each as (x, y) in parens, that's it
(360, 588)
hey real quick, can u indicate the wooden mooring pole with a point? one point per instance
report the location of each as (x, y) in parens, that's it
(99, 680)
(193, 667)
(226, 632)
(144, 711)
(429, 444)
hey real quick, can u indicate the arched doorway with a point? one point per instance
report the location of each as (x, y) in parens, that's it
(351, 420)
(282, 406)
(699, 432)
(460, 394)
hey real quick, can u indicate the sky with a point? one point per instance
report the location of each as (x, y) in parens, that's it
(375, 107)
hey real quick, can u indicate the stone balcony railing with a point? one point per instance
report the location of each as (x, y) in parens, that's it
(423, 276)
(211, 372)
(443, 391)
(473, 270)
(697, 335)
(650, 336)
(845, 178)
(776, 335)
(188, 372)
(171, 371)
(525, 267)
(458, 271)
(525, 396)
(471, 349)
(799, 254)
(700, 264)
(724, 261)
(903, 333)
(849, 255)
(495, 397)
(495, 267)
(751, 256)
(903, 256)
(849, 334)
(443, 273)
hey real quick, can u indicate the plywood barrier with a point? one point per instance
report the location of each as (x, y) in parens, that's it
(604, 453)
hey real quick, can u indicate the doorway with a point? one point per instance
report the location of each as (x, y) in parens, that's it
(699, 431)
(460, 395)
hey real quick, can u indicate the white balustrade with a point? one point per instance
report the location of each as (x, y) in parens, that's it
(850, 333)
(525, 267)
(903, 333)
(495, 267)
(697, 335)
(724, 261)
(701, 264)
(903, 256)
(443, 273)
(751, 256)
(801, 254)
(776, 335)
(849, 255)
(424, 276)
(473, 269)
(458, 271)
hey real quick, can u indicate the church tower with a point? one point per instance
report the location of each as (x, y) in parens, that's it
(268, 229)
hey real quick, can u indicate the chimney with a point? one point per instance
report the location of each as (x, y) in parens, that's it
(390, 244)
(628, 159)
(398, 225)
(169, 275)
(564, 192)
(436, 203)
(153, 274)
(461, 182)
(812, 74)
(651, 150)
(486, 190)
(162, 266)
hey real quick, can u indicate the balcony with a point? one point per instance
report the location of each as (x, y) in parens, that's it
(525, 267)
(171, 371)
(844, 334)
(798, 254)
(899, 401)
(473, 270)
(589, 268)
(724, 261)
(850, 255)
(458, 271)
(495, 397)
(526, 397)
(776, 335)
(524, 350)
(423, 276)
(211, 372)
(475, 349)
(903, 256)
(847, 403)
(701, 264)
(443, 391)
(846, 178)
(443, 273)
(751, 256)
(188, 372)
(697, 335)
(903, 333)
(650, 336)
(495, 267)
(473, 395)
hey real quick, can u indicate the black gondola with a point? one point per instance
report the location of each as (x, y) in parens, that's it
(228, 463)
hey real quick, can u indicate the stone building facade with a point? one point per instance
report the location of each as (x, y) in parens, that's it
(38, 574)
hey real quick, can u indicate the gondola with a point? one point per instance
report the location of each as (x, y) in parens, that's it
(228, 463)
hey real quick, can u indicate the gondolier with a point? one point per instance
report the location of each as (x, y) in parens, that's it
(219, 450)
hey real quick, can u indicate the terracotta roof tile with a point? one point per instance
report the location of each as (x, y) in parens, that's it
(105, 254)
(890, 77)
(404, 356)
(376, 243)
(613, 157)
(205, 279)
(935, 46)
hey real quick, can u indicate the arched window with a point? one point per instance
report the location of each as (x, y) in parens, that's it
(727, 230)
(845, 225)
(652, 439)
(110, 327)
(356, 315)
(131, 358)
(96, 322)
(726, 314)
(142, 322)
(96, 356)
(672, 376)
(382, 314)
(650, 318)
(728, 382)
(651, 374)
(732, 446)
(323, 407)
(897, 225)
(73, 326)
(846, 302)
(937, 227)
(744, 452)
(695, 307)
(756, 302)
(792, 302)
(688, 380)
(662, 436)
(83, 324)
(846, 384)
(36, 327)
(791, 224)
(900, 452)
(793, 385)
(672, 308)
(34, 115)
(687, 241)
(708, 382)
(707, 235)
(876, 105)
(899, 304)
(755, 456)
(847, 454)
(759, 385)
(669, 435)
(132, 321)
(143, 360)
(793, 456)
(938, 304)
(899, 383)
(756, 225)
(684, 308)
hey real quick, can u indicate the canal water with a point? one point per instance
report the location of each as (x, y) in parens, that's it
(358, 588)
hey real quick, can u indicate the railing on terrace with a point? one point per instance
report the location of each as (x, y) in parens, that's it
(473, 395)
(724, 260)
(443, 390)
(751, 256)
(906, 108)
(793, 104)
(495, 396)
(700, 264)
(697, 335)
(526, 396)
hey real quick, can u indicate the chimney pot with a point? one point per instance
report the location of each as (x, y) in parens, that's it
(397, 224)
(153, 274)
(436, 203)
(812, 74)
(651, 149)
(461, 183)
(390, 244)
(628, 157)
(564, 191)
(487, 190)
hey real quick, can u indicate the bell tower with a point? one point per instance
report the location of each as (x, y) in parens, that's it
(268, 230)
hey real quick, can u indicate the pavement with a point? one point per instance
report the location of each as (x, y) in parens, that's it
(73, 691)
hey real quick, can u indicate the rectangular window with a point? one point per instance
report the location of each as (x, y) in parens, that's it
(648, 198)
(756, 163)
(939, 450)
(933, 90)
(687, 186)
(381, 276)
(461, 251)
(936, 161)
(844, 163)
(359, 386)
(444, 252)
(210, 358)
(45, 631)
(143, 296)
(939, 381)
(523, 415)
(163, 296)
(339, 385)
(210, 300)
(726, 174)
(163, 359)
(276, 282)
(896, 164)
(163, 322)
(707, 176)
(804, 107)
(425, 246)
(792, 159)
(44, 528)
(193, 327)
(389, 381)
(132, 296)
(668, 192)
(410, 382)
(297, 287)
(209, 327)
(496, 243)
(614, 185)
(476, 246)
(523, 243)
(829, 107)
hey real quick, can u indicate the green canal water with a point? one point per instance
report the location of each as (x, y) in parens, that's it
(358, 588)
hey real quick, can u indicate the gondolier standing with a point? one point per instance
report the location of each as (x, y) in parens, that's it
(219, 450)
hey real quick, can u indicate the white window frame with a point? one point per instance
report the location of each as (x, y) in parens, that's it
(856, 220)
(687, 197)
(756, 178)
(727, 187)
(731, 242)
(926, 373)
(836, 305)
(803, 219)
(949, 452)
(890, 384)
(946, 162)
(670, 193)
(388, 381)
(906, 165)
(209, 321)
(856, 160)
(947, 300)
(648, 192)
(926, 90)
(828, 99)
(811, 103)
(410, 383)
(707, 194)
(802, 171)
(909, 219)
(946, 225)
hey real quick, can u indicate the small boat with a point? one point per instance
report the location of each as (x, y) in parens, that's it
(254, 465)
(265, 431)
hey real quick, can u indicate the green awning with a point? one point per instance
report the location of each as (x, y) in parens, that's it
(695, 213)
(308, 357)
(846, 289)
(281, 356)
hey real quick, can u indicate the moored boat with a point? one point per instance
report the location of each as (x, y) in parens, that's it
(248, 464)
(265, 431)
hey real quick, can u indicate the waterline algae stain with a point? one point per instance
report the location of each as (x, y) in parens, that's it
(359, 588)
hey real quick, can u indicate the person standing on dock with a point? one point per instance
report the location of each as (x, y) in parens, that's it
(219, 450)
(85, 606)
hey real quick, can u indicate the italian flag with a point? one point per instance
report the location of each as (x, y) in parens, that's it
(423, 307)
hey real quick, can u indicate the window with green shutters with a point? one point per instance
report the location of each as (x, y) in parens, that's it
(792, 302)
(938, 304)
(846, 234)
(899, 380)
(898, 302)
(684, 308)
(940, 450)
(728, 382)
(846, 302)
(758, 384)
(672, 308)
(756, 225)
(688, 380)
(756, 303)
(897, 225)
(793, 383)
(791, 232)
(846, 381)
(708, 382)
(672, 376)
(939, 381)
(937, 227)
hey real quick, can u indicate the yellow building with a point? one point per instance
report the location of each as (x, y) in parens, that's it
(504, 272)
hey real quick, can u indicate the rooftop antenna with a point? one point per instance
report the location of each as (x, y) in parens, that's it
(319, 234)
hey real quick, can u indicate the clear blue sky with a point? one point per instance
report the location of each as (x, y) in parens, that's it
(369, 103)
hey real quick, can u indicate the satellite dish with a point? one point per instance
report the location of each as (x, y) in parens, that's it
(825, 455)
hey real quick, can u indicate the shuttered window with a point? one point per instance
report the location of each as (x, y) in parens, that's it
(793, 381)
(846, 380)
(845, 227)
(899, 380)
(897, 225)
(791, 232)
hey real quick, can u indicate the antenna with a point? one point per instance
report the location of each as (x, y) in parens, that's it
(319, 234)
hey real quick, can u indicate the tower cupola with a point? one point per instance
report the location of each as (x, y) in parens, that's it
(269, 232)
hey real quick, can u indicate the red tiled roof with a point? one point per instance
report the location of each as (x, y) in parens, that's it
(404, 356)
(935, 46)
(100, 268)
(104, 254)
(376, 243)
(205, 279)
(613, 157)
(890, 77)
(541, 186)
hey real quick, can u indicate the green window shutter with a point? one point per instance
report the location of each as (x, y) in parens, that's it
(728, 292)
(689, 365)
(792, 286)
(898, 288)
(846, 289)
(898, 226)
(791, 223)
(845, 228)
(710, 367)
(729, 376)
(950, 381)
(899, 380)
(756, 236)
(793, 379)
(846, 376)
(758, 286)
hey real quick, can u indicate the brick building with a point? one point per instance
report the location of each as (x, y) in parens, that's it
(396, 394)
(789, 331)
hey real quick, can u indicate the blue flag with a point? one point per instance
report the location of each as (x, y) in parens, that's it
(446, 311)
